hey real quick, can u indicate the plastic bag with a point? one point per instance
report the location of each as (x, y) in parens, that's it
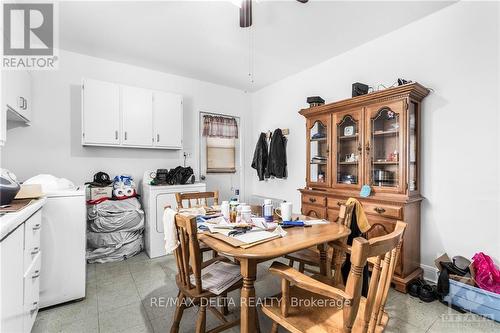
(115, 253)
(487, 275)
(109, 216)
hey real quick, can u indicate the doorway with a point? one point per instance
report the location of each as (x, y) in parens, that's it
(221, 154)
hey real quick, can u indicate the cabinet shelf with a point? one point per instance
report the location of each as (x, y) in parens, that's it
(385, 133)
(318, 139)
(348, 163)
(385, 163)
(320, 163)
(348, 137)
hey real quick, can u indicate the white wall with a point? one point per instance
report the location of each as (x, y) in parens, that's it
(53, 145)
(454, 52)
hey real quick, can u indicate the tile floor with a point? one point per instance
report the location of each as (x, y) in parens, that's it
(121, 296)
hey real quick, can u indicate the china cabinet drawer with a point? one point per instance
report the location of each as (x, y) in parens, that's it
(310, 199)
(332, 215)
(380, 227)
(32, 229)
(314, 211)
(394, 212)
(335, 202)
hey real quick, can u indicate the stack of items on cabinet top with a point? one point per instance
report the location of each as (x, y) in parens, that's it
(369, 142)
(115, 220)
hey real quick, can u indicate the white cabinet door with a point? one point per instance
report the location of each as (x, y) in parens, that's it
(137, 116)
(11, 287)
(167, 120)
(17, 92)
(3, 111)
(101, 113)
(31, 293)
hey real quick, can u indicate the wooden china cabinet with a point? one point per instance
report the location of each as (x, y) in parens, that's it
(370, 140)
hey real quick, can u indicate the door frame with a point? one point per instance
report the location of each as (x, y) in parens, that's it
(239, 120)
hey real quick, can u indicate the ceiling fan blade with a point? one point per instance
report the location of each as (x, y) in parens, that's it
(303, 1)
(246, 13)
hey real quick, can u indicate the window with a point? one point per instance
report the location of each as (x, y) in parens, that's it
(221, 154)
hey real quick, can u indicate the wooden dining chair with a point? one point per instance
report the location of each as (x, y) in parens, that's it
(344, 310)
(311, 257)
(189, 264)
(197, 198)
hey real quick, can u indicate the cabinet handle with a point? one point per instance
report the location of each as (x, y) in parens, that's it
(379, 210)
(25, 104)
(157, 137)
(125, 135)
(37, 274)
(35, 250)
(116, 135)
(339, 203)
(367, 147)
(35, 307)
(37, 226)
(312, 199)
(359, 147)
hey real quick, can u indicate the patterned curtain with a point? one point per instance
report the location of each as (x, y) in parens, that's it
(220, 127)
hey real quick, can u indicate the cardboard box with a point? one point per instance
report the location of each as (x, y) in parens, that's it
(29, 191)
(463, 279)
(95, 193)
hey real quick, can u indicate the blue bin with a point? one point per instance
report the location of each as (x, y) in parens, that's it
(473, 299)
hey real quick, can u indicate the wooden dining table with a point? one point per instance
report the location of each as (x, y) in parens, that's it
(297, 238)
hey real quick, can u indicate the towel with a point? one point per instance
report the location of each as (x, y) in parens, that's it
(170, 231)
(362, 221)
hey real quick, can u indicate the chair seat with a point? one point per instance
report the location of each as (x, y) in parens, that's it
(306, 316)
(309, 256)
(206, 293)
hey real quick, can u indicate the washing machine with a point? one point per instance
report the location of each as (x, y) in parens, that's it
(154, 200)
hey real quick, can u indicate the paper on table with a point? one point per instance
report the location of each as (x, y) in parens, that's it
(259, 222)
(219, 276)
(313, 222)
(253, 236)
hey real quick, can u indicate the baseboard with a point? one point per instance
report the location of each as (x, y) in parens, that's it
(430, 273)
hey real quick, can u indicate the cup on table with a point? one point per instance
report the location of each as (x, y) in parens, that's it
(285, 211)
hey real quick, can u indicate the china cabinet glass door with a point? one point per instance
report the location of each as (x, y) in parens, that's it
(384, 147)
(348, 146)
(319, 154)
(412, 147)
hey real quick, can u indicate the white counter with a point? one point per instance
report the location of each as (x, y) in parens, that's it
(10, 221)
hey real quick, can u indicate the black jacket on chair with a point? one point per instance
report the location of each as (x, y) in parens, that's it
(260, 156)
(276, 163)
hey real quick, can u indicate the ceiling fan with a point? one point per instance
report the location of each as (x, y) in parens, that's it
(246, 12)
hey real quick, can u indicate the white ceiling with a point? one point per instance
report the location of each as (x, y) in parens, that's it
(203, 39)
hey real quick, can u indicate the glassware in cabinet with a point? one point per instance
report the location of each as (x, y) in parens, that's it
(384, 147)
(319, 153)
(348, 159)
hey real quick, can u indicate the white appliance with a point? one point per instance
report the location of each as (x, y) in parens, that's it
(63, 240)
(154, 200)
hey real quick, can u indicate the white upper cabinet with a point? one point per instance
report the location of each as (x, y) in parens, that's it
(137, 116)
(17, 95)
(101, 116)
(167, 120)
(118, 115)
